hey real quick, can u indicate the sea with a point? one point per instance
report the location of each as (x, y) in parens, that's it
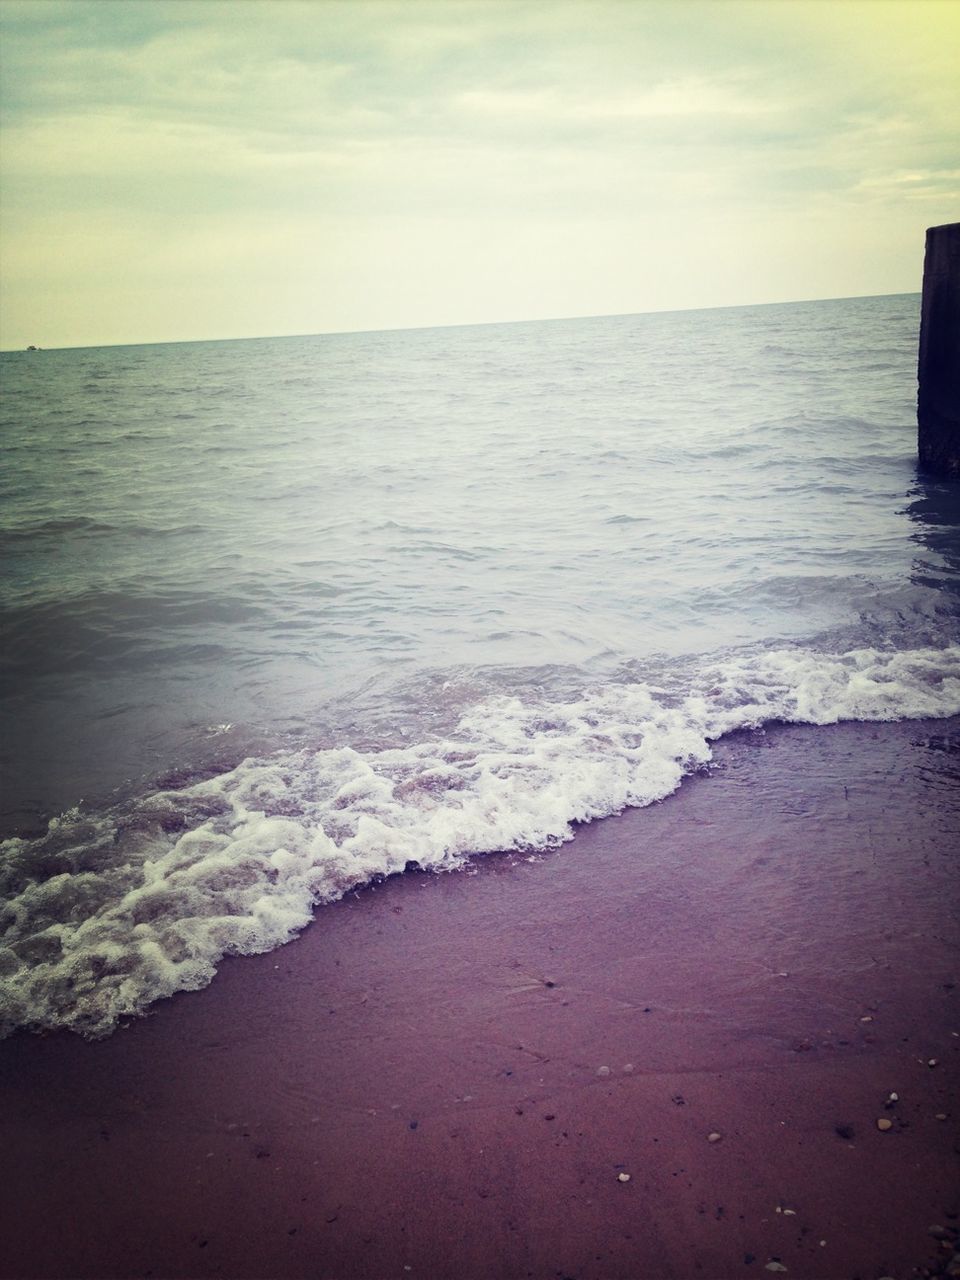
(284, 616)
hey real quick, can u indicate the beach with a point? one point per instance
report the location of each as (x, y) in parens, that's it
(479, 641)
(517, 1070)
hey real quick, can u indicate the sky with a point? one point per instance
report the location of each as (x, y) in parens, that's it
(188, 169)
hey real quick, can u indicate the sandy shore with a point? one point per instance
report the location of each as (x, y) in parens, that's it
(452, 1076)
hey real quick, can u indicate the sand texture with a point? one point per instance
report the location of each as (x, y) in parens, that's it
(450, 1076)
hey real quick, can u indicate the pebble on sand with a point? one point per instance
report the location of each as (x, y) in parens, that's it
(883, 1124)
(623, 1177)
(941, 1115)
(775, 1266)
(714, 1137)
(931, 1062)
(603, 1071)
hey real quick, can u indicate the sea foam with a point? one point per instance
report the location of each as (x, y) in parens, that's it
(110, 912)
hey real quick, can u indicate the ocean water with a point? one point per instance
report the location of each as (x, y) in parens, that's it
(282, 616)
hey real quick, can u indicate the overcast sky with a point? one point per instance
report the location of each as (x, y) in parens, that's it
(177, 169)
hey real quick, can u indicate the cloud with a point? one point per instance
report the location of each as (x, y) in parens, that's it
(411, 161)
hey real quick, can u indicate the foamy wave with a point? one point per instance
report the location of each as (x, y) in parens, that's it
(106, 914)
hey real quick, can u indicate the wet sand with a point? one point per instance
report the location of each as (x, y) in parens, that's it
(446, 1076)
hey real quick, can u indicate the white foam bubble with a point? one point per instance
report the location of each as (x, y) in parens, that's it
(106, 914)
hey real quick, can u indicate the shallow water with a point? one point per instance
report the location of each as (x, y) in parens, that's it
(282, 615)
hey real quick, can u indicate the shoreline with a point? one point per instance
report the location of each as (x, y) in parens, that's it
(446, 1075)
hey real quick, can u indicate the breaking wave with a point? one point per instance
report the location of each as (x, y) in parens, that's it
(109, 912)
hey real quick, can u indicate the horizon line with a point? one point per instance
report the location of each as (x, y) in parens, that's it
(461, 324)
